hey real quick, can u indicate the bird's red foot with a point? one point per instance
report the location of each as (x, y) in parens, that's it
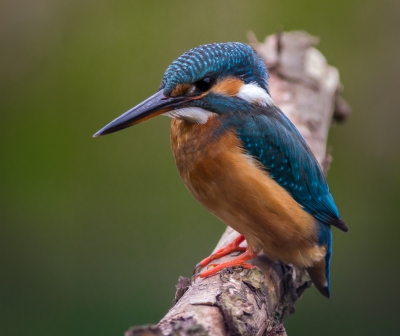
(239, 261)
(228, 249)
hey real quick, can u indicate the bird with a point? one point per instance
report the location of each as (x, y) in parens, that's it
(242, 158)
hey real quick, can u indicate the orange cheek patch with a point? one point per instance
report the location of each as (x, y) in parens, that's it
(180, 89)
(229, 86)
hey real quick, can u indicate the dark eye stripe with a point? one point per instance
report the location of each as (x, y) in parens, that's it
(205, 84)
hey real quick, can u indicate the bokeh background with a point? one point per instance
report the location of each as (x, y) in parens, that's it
(95, 232)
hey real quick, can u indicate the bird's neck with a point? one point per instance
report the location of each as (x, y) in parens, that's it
(191, 142)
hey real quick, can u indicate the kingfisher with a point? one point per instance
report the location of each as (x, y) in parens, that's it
(243, 159)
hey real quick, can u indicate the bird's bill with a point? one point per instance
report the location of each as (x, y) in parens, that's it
(151, 107)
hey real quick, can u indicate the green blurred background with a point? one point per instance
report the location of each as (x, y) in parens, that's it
(95, 232)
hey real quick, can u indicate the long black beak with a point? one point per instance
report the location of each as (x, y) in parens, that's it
(151, 107)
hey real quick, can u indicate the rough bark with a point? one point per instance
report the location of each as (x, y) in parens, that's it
(257, 301)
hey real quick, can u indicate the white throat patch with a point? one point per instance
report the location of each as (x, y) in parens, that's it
(192, 114)
(255, 94)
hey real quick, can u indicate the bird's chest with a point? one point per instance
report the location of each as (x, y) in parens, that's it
(200, 156)
(231, 184)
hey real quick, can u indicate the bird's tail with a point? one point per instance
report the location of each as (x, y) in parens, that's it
(320, 272)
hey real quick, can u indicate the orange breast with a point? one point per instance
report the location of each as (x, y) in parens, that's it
(234, 188)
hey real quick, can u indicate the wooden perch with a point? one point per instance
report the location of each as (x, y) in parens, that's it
(257, 301)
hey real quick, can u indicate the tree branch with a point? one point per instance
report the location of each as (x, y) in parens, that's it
(257, 301)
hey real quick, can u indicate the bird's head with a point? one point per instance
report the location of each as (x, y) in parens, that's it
(211, 79)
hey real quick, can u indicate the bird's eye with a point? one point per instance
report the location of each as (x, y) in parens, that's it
(204, 84)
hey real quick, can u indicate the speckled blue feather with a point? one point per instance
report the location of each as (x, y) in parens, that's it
(269, 136)
(277, 144)
(218, 60)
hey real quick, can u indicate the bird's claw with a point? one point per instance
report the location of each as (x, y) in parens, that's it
(230, 248)
(193, 278)
(197, 269)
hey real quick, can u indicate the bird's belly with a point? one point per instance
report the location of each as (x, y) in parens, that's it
(232, 186)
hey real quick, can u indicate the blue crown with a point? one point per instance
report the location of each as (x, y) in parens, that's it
(217, 60)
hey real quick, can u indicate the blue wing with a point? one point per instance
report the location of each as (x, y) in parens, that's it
(272, 139)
